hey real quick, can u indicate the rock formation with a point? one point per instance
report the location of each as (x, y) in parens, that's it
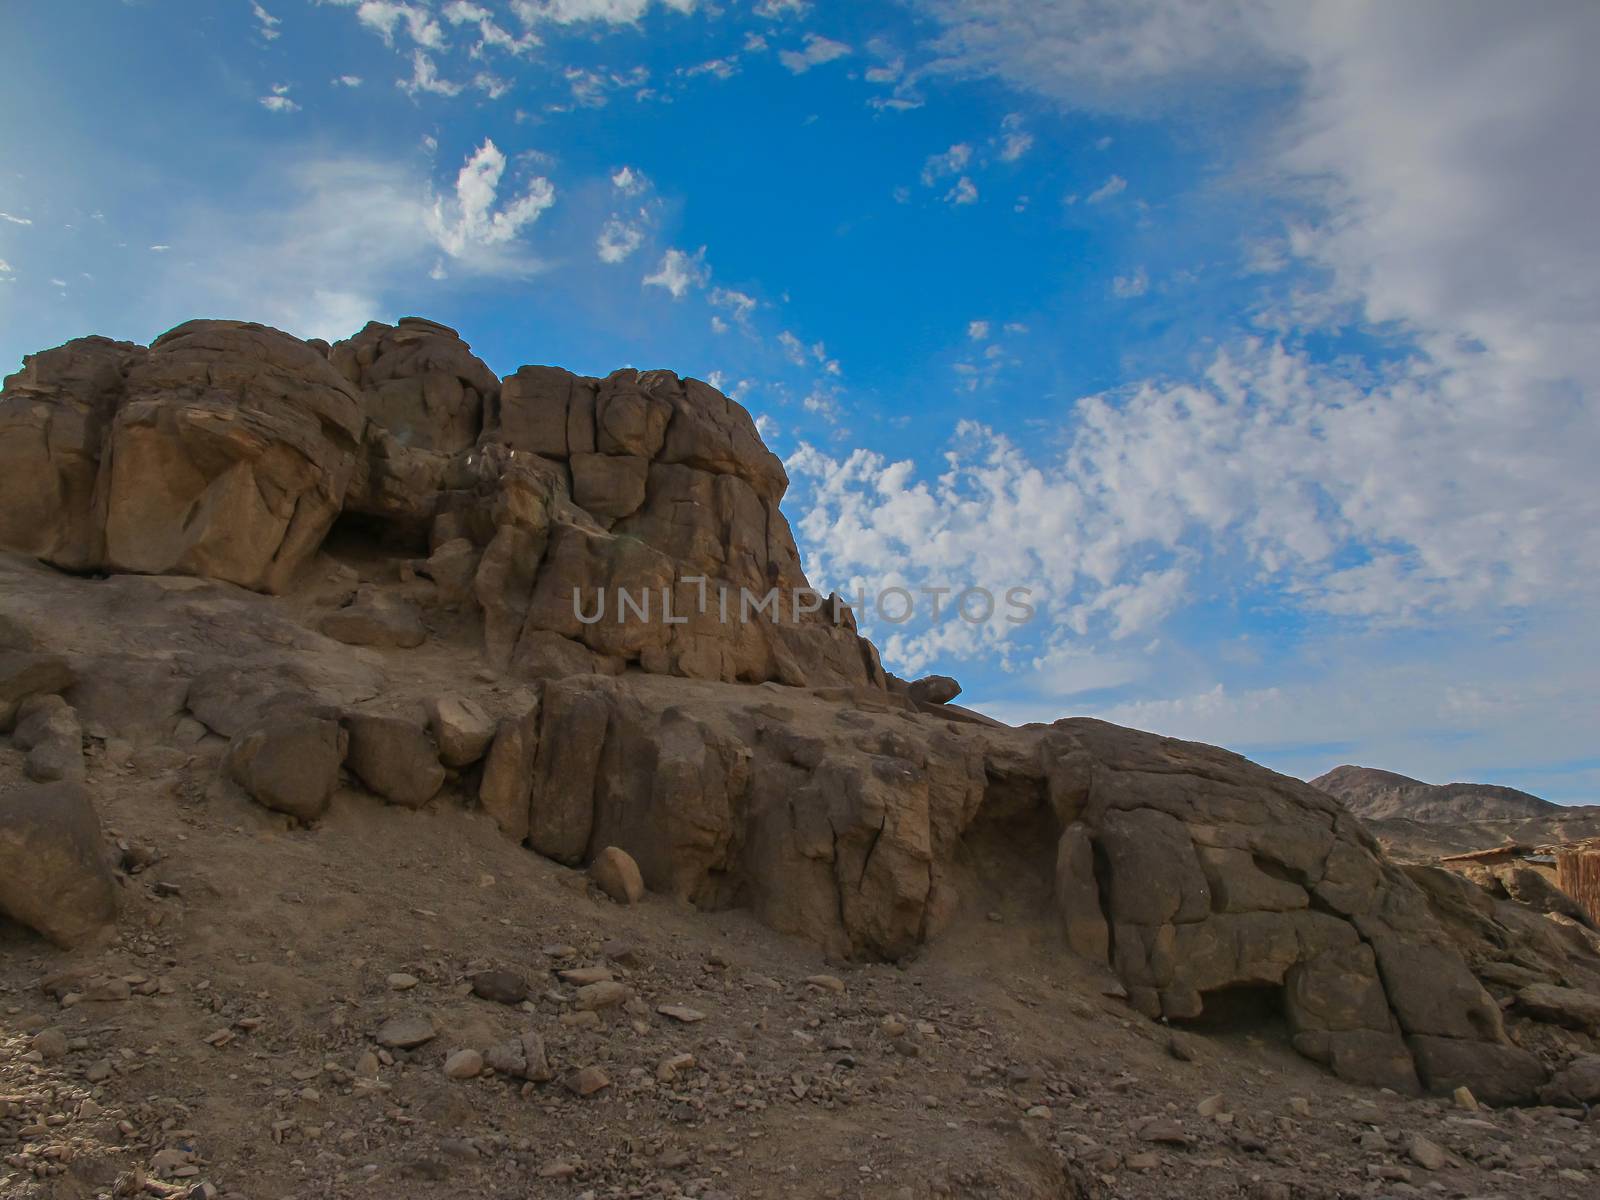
(1379, 795)
(362, 566)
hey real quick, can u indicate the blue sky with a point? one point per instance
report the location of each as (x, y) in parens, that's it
(1258, 339)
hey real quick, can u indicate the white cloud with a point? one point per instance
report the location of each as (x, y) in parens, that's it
(267, 23)
(775, 10)
(1131, 286)
(740, 304)
(1014, 140)
(425, 78)
(385, 16)
(628, 181)
(5, 267)
(279, 100)
(5, 216)
(952, 162)
(816, 51)
(977, 330)
(618, 240)
(1113, 186)
(572, 12)
(964, 192)
(793, 348)
(160, 248)
(490, 33)
(679, 271)
(468, 223)
(349, 81)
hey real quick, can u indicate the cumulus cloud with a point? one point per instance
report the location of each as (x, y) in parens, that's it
(266, 23)
(1132, 285)
(815, 51)
(425, 78)
(618, 240)
(611, 12)
(278, 101)
(490, 32)
(679, 271)
(1112, 187)
(473, 220)
(386, 17)
(952, 162)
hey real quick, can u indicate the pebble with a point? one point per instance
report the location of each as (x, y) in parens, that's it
(406, 1033)
(1427, 1154)
(401, 982)
(500, 986)
(681, 1013)
(464, 1064)
(1464, 1099)
(587, 1081)
(607, 993)
(825, 983)
(49, 1044)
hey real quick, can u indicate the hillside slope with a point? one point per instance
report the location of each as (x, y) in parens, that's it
(1383, 795)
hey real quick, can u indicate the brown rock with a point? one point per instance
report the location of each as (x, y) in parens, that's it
(616, 874)
(395, 758)
(507, 782)
(24, 674)
(1561, 1005)
(54, 875)
(461, 728)
(376, 619)
(406, 1033)
(500, 986)
(289, 763)
(933, 689)
(587, 1081)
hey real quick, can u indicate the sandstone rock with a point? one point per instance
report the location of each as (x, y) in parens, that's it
(54, 877)
(1427, 1154)
(49, 1044)
(606, 993)
(1561, 1005)
(419, 381)
(681, 1013)
(463, 1064)
(229, 455)
(461, 728)
(289, 763)
(507, 782)
(376, 619)
(1078, 895)
(522, 1058)
(1496, 1074)
(406, 1033)
(587, 1081)
(395, 758)
(933, 689)
(500, 986)
(1576, 1083)
(26, 673)
(48, 729)
(616, 874)
(453, 566)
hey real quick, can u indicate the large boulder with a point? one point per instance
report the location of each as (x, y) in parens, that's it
(229, 456)
(48, 729)
(54, 875)
(25, 673)
(395, 757)
(289, 763)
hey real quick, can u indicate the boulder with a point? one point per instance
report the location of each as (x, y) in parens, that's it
(55, 420)
(229, 456)
(1578, 1083)
(462, 729)
(289, 763)
(616, 874)
(25, 673)
(1561, 1005)
(48, 729)
(54, 875)
(376, 619)
(933, 689)
(395, 757)
(507, 782)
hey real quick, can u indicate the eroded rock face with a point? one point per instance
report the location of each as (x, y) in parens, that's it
(1221, 876)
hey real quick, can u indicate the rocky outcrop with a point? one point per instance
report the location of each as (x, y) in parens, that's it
(658, 731)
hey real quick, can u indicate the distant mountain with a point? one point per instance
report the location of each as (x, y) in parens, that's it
(1377, 795)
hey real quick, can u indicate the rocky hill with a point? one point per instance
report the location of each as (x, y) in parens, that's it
(375, 859)
(1383, 795)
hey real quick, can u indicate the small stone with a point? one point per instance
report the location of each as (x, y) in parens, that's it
(668, 1069)
(616, 874)
(583, 1019)
(49, 1044)
(1039, 1112)
(681, 1013)
(825, 983)
(464, 1064)
(401, 982)
(1300, 1106)
(1212, 1106)
(1183, 1047)
(579, 976)
(1147, 1161)
(558, 1170)
(99, 1072)
(500, 986)
(1428, 1155)
(587, 1081)
(367, 1065)
(1164, 1132)
(1464, 1099)
(607, 993)
(406, 1033)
